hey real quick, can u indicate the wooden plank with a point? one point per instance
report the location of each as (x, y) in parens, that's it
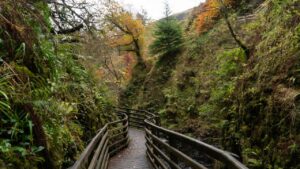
(151, 160)
(102, 155)
(117, 149)
(118, 128)
(98, 150)
(162, 154)
(137, 114)
(118, 142)
(156, 158)
(83, 159)
(119, 134)
(105, 159)
(207, 149)
(136, 126)
(188, 160)
(137, 118)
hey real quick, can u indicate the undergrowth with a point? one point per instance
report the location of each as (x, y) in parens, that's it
(50, 105)
(249, 106)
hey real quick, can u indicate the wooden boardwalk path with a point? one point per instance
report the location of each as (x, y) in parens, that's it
(162, 151)
(133, 157)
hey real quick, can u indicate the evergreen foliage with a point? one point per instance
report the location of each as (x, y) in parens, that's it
(168, 37)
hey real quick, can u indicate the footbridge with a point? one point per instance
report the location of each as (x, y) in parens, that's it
(137, 141)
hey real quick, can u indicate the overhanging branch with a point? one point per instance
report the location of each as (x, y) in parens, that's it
(68, 31)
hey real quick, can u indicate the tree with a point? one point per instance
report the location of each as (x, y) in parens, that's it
(208, 12)
(224, 12)
(69, 16)
(126, 31)
(214, 9)
(168, 35)
(167, 11)
(143, 16)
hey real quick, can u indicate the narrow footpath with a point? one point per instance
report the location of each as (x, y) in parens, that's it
(133, 157)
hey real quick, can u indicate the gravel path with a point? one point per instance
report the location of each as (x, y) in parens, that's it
(133, 157)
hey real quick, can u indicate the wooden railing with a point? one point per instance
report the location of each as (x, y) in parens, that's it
(168, 149)
(136, 118)
(112, 138)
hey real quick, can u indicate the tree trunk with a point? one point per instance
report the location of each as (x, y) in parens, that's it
(137, 50)
(238, 41)
(39, 136)
(224, 13)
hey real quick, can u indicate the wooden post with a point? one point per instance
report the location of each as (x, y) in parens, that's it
(157, 120)
(128, 115)
(126, 133)
(172, 143)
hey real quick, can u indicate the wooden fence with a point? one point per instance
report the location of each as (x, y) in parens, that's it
(112, 138)
(166, 149)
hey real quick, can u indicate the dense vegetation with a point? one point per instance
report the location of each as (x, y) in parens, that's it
(235, 83)
(228, 74)
(50, 104)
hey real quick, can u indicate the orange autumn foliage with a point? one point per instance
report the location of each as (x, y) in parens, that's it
(131, 29)
(208, 13)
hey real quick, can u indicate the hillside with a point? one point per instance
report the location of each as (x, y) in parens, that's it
(183, 15)
(90, 84)
(216, 91)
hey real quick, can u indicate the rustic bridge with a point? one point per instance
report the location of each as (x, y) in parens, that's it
(137, 141)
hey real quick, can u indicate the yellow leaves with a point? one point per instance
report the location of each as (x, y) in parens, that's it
(209, 11)
(121, 40)
(134, 26)
(128, 29)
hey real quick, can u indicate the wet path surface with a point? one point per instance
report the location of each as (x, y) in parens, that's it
(133, 157)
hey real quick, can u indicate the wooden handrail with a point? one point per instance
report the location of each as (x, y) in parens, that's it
(106, 143)
(160, 151)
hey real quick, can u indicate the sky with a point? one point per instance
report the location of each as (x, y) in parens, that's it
(155, 8)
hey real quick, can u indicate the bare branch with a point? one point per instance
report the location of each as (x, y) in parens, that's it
(68, 31)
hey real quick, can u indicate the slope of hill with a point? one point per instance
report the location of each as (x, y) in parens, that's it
(183, 15)
(247, 105)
